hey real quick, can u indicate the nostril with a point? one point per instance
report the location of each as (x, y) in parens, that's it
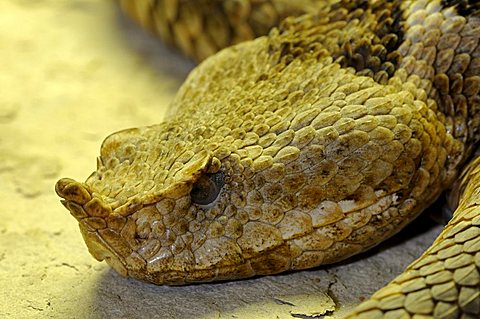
(75, 209)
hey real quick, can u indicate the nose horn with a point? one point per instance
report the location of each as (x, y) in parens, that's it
(72, 190)
(79, 201)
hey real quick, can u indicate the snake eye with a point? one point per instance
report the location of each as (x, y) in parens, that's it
(206, 190)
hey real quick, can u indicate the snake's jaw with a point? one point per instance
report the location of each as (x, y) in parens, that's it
(93, 217)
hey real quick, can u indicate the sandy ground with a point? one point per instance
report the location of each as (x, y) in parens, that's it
(71, 72)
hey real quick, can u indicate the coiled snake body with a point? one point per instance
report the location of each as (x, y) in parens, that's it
(299, 148)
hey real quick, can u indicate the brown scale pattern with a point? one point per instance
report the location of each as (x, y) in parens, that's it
(330, 134)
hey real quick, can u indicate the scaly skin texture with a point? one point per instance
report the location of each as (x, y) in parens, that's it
(302, 148)
(445, 281)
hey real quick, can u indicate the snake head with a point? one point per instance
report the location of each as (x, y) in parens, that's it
(155, 210)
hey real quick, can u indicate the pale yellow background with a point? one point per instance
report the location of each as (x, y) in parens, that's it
(71, 72)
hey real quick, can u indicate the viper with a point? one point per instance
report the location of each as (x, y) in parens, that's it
(310, 132)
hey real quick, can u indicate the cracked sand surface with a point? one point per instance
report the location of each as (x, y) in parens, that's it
(74, 71)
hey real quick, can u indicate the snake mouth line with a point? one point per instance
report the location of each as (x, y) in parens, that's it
(105, 241)
(94, 217)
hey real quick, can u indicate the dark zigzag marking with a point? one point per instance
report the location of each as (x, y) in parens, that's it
(464, 7)
(372, 54)
(375, 57)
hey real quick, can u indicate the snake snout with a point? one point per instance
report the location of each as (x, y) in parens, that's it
(72, 190)
(94, 216)
(80, 202)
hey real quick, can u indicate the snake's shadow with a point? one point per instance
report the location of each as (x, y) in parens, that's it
(164, 60)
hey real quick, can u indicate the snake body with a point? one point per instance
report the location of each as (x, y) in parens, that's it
(300, 148)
